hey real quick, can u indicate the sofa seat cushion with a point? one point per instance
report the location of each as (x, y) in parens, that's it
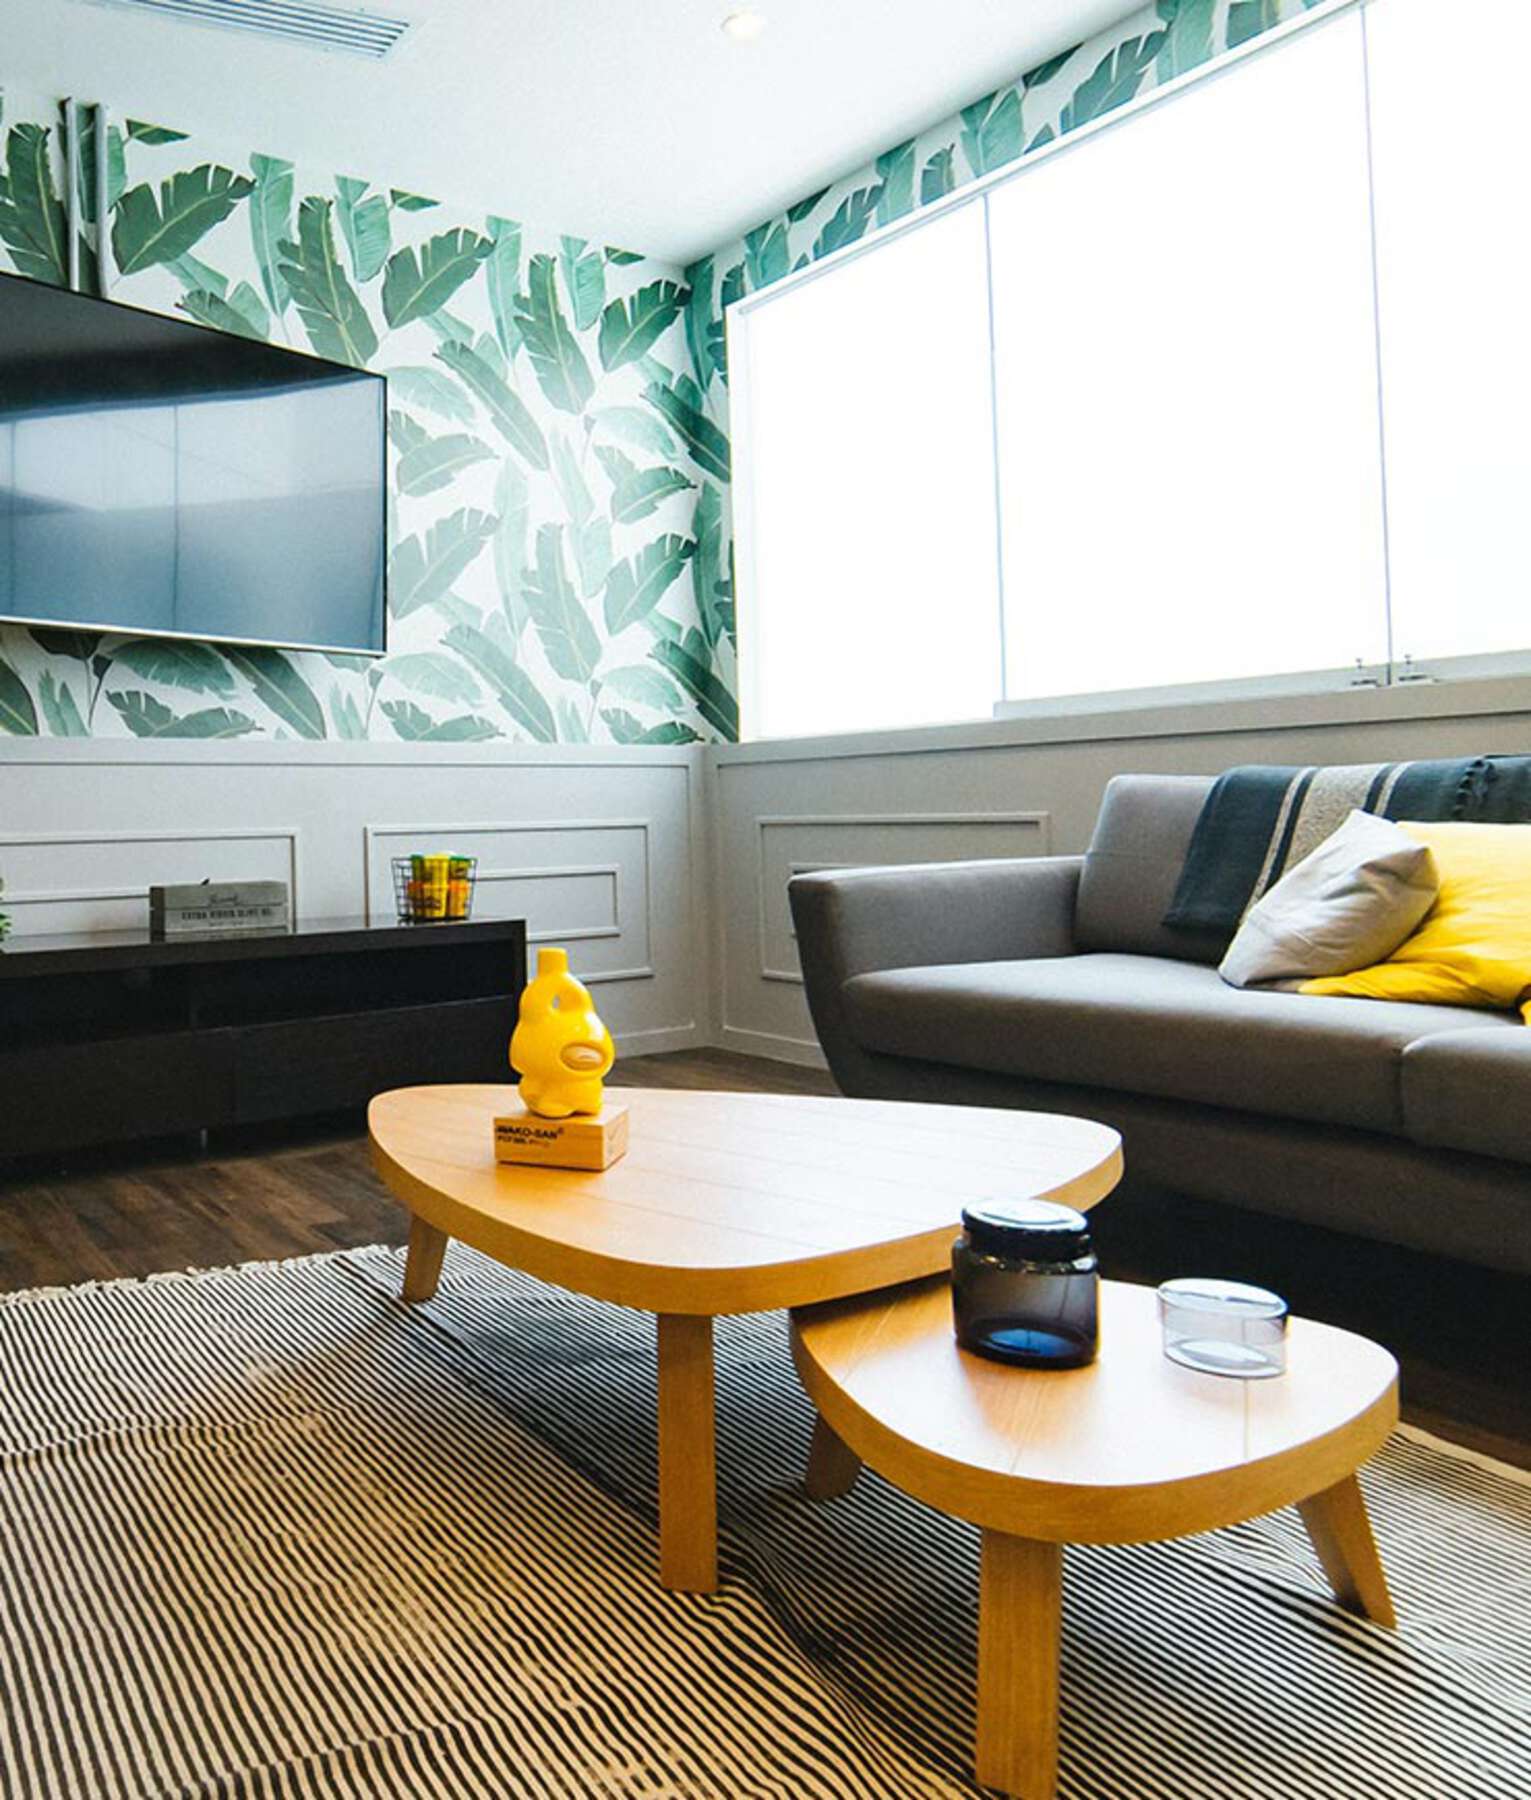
(1470, 1090)
(1151, 1025)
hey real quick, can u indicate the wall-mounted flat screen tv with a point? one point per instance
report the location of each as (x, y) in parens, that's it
(162, 478)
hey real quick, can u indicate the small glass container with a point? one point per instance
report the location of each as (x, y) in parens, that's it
(1224, 1327)
(1025, 1284)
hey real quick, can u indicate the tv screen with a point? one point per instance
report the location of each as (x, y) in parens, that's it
(160, 477)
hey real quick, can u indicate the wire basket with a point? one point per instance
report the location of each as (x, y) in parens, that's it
(434, 890)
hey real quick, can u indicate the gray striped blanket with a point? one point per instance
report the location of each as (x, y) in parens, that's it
(1260, 820)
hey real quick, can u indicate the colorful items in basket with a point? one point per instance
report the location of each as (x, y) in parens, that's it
(431, 889)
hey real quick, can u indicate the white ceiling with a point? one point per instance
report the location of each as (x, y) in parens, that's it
(634, 122)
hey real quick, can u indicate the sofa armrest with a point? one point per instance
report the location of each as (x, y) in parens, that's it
(852, 921)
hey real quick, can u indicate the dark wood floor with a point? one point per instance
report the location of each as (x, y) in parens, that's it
(1460, 1334)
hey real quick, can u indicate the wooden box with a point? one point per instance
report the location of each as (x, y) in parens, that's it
(581, 1142)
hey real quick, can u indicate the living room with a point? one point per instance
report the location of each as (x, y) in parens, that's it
(931, 612)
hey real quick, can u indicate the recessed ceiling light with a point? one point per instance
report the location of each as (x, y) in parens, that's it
(744, 26)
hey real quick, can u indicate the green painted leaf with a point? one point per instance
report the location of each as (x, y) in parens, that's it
(1188, 37)
(271, 224)
(33, 225)
(572, 487)
(506, 409)
(584, 273)
(705, 441)
(699, 316)
(433, 673)
(423, 569)
(643, 683)
(633, 425)
(1248, 18)
(452, 330)
(557, 359)
(517, 692)
(796, 214)
(418, 727)
(430, 389)
(991, 131)
(405, 433)
(437, 462)
(672, 731)
(415, 285)
(1044, 72)
(713, 700)
(848, 223)
(116, 166)
(707, 560)
(639, 492)
(938, 177)
(502, 272)
(512, 501)
(571, 727)
(81, 645)
(279, 687)
(1113, 81)
(140, 133)
(631, 328)
(211, 309)
(18, 716)
(147, 717)
(766, 255)
(331, 309)
(146, 231)
(895, 173)
(197, 668)
(613, 255)
(636, 587)
(365, 224)
(408, 202)
(345, 716)
(194, 274)
(59, 708)
(563, 625)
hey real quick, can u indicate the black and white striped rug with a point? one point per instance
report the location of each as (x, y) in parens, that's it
(266, 1532)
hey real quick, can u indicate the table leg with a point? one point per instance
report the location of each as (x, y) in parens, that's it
(688, 1472)
(832, 1467)
(1341, 1531)
(1020, 1610)
(422, 1267)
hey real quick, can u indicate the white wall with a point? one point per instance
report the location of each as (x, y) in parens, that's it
(1013, 787)
(599, 849)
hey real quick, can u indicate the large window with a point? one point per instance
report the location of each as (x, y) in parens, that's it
(1226, 392)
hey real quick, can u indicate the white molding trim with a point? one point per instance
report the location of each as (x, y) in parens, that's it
(277, 834)
(769, 821)
(657, 1041)
(804, 1052)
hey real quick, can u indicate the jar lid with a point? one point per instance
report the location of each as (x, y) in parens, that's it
(1029, 1230)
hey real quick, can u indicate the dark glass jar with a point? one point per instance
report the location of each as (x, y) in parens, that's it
(1025, 1284)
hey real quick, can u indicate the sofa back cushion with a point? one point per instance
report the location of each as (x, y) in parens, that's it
(1133, 865)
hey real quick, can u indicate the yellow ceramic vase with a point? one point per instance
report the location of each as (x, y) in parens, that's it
(560, 1049)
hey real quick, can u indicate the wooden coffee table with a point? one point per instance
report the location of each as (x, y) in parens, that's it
(1133, 1449)
(724, 1203)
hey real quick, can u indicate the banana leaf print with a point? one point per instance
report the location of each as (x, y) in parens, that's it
(938, 177)
(516, 691)
(33, 225)
(512, 502)
(435, 463)
(563, 625)
(60, 709)
(699, 302)
(416, 726)
(557, 359)
(276, 683)
(147, 230)
(18, 714)
(147, 717)
(849, 222)
(635, 588)
(1248, 18)
(431, 391)
(766, 255)
(715, 703)
(643, 684)
(437, 676)
(1114, 81)
(209, 308)
(423, 569)
(707, 444)
(330, 308)
(707, 561)
(414, 286)
(365, 224)
(508, 412)
(895, 177)
(503, 272)
(991, 131)
(270, 208)
(635, 492)
(631, 328)
(140, 133)
(194, 668)
(585, 277)
(1188, 38)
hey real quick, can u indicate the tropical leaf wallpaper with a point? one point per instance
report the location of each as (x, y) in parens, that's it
(561, 554)
(557, 569)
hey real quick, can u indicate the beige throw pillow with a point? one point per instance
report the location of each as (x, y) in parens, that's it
(1349, 904)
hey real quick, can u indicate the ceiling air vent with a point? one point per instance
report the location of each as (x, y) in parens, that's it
(360, 33)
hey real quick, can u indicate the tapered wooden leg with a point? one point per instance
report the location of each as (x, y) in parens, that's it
(832, 1468)
(422, 1267)
(688, 1465)
(1020, 1611)
(1341, 1531)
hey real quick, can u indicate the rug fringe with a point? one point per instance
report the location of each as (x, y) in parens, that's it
(22, 1296)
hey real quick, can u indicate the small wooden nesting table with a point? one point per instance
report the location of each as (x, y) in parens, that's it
(724, 1203)
(1130, 1450)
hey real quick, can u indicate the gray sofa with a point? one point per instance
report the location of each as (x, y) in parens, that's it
(1050, 983)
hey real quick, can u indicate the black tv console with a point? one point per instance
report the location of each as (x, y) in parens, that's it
(115, 1035)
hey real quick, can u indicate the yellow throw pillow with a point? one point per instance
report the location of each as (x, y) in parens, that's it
(1474, 948)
